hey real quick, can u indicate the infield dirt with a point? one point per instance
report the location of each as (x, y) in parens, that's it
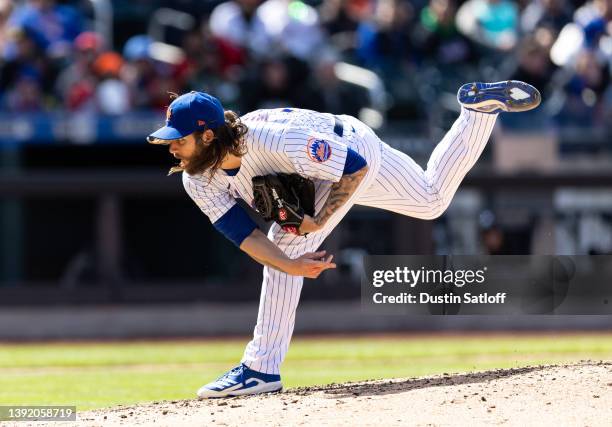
(556, 395)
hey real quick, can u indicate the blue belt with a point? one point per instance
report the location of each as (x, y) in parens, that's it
(338, 127)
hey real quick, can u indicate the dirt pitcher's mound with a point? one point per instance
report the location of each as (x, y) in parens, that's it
(570, 395)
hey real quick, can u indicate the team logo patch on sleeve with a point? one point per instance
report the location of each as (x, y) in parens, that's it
(318, 150)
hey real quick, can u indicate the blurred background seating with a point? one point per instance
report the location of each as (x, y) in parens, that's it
(85, 205)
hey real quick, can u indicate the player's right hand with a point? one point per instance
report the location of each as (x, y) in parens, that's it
(311, 264)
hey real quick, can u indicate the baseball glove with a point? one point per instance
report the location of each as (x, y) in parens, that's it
(284, 198)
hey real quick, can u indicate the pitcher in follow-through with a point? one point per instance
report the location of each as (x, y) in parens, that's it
(305, 170)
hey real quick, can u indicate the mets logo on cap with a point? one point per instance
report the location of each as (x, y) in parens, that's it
(318, 150)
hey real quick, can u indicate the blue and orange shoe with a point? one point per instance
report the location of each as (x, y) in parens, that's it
(241, 381)
(510, 96)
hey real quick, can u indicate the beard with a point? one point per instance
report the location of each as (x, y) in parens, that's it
(198, 162)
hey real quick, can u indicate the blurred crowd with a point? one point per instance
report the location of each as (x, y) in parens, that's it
(254, 54)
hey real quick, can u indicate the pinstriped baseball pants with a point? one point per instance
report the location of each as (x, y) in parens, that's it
(394, 182)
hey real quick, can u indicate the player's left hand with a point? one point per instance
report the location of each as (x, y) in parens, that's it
(311, 264)
(309, 225)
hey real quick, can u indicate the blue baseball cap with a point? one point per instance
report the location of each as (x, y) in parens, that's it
(193, 111)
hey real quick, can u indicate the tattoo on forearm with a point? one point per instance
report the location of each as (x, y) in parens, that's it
(341, 191)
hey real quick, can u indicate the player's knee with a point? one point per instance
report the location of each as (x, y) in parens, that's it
(439, 206)
(437, 211)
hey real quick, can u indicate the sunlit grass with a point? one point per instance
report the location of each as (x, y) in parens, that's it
(92, 375)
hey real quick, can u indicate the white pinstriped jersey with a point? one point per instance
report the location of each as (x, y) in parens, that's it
(393, 182)
(278, 140)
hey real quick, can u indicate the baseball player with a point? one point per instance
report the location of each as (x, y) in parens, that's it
(221, 156)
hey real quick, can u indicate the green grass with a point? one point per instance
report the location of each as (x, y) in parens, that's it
(93, 375)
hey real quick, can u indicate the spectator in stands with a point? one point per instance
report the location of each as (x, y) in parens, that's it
(591, 27)
(148, 81)
(384, 43)
(275, 82)
(201, 61)
(533, 63)
(210, 65)
(112, 95)
(203, 50)
(583, 91)
(25, 95)
(492, 23)
(591, 10)
(274, 88)
(6, 8)
(230, 57)
(290, 27)
(76, 84)
(341, 18)
(344, 16)
(275, 27)
(27, 76)
(328, 93)
(437, 37)
(52, 26)
(237, 22)
(552, 14)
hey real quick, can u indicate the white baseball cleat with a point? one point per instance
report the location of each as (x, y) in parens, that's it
(240, 381)
(510, 96)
